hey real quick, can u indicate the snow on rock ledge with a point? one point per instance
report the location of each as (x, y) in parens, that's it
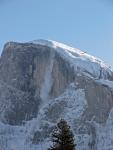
(81, 61)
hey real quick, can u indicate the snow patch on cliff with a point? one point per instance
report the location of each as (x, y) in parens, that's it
(106, 83)
(105, 134)
(80, 60)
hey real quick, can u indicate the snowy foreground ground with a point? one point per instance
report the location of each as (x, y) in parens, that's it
(20, 137)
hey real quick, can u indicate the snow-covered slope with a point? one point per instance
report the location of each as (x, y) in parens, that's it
(79, 59)
(42, 81)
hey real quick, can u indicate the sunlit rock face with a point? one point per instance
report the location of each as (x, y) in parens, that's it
(43, 81)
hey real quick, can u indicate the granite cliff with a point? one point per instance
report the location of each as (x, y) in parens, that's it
(42, 81)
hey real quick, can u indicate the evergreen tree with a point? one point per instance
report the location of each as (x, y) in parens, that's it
(62, 137)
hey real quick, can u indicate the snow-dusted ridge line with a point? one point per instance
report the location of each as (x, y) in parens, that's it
(73, 50)
(79, 59)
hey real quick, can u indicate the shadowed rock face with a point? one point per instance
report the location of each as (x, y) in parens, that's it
(34, 71)
(32, 74)
(99, 99)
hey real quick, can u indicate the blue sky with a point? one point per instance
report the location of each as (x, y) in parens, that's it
(84, 24)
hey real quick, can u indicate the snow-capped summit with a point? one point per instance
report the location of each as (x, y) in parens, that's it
(86, 63)
(74, 51)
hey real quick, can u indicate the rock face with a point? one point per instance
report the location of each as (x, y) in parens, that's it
(43, 81)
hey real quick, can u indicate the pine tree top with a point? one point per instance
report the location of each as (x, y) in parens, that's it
(62, 137)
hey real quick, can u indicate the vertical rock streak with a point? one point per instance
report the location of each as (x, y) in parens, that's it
(47, 83)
